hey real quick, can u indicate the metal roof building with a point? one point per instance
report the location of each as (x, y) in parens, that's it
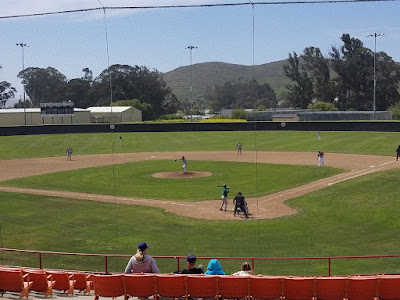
(115, 114)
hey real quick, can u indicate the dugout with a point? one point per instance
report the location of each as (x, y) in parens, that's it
(285, 117)
(115, 114)
(33, 116)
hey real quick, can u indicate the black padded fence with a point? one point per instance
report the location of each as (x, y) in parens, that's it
(184, 127)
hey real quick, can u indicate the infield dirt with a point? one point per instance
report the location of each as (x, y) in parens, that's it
(265, 207)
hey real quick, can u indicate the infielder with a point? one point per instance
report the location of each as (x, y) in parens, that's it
(239, 148)
(225, 191)
(320, 159)
(398, 152)
(69, 153)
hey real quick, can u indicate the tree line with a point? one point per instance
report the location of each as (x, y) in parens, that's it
(345, 79)
(239, 95)
(145, 88)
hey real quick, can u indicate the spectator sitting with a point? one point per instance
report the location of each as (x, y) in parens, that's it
(214, 268)
(141, 262)
(191, 266)
(246, 270)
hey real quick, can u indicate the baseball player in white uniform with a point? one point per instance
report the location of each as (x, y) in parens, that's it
(320, 159)
(184, 161)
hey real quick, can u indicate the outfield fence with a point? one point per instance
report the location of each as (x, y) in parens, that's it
(328, 260)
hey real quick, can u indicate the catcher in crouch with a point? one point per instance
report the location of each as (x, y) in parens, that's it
(240, 202)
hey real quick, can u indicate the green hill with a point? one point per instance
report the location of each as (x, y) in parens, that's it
(207, 75)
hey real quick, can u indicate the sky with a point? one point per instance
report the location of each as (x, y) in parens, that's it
(159, 38)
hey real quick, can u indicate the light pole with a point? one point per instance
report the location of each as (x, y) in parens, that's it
(23, 45)
(375, 35)
(191, 80)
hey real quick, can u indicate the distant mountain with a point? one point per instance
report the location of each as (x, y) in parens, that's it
(217, 73)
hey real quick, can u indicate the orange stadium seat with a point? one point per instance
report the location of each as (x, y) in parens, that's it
(389, 287)
(233, 287)
(140, 285)
(112, 286)
(362, 287)
(299, 288)
(171, 285)
(202, 286)
(83, 282)
(64, 281)
(331, 288)
(42, 282)
(13, 280)
(266, 287)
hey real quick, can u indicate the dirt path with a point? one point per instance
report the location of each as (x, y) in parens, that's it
(266, 207)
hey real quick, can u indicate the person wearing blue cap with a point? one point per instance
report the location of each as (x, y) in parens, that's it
(141, 262)
(191, 266)
(214, 268)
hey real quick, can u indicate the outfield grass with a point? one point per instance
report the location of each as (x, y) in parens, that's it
(135, 180)
(379, 143)
(350, 218)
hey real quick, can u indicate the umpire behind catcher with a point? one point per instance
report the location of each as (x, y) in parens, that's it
(241, 203)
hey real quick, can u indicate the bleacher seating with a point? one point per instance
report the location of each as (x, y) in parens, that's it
(42, 281)
(84, 282)
(64, 282)
(13, 280)
(360, 287)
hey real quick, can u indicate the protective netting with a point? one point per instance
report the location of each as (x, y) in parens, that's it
(117, 168)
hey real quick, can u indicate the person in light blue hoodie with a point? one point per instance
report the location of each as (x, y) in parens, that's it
(214, 268)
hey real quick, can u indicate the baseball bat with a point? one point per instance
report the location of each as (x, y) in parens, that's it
(219, 186)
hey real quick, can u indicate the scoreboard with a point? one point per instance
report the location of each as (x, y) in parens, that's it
(57, 109)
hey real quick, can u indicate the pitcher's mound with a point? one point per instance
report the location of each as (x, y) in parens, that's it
(190, 174)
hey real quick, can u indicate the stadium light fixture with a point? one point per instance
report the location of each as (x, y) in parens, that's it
(23, 45)
(375, 35)
(191, 81)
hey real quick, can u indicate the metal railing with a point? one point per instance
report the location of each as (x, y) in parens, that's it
(328, 259)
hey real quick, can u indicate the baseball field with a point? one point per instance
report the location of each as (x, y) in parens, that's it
(107, 199)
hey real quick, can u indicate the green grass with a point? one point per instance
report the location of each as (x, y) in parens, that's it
(341, 142)
(135, 179)
(350, 218)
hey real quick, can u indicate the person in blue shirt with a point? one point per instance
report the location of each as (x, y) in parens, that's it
(214, 268)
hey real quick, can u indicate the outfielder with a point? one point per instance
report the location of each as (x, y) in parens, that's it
(224, 198)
